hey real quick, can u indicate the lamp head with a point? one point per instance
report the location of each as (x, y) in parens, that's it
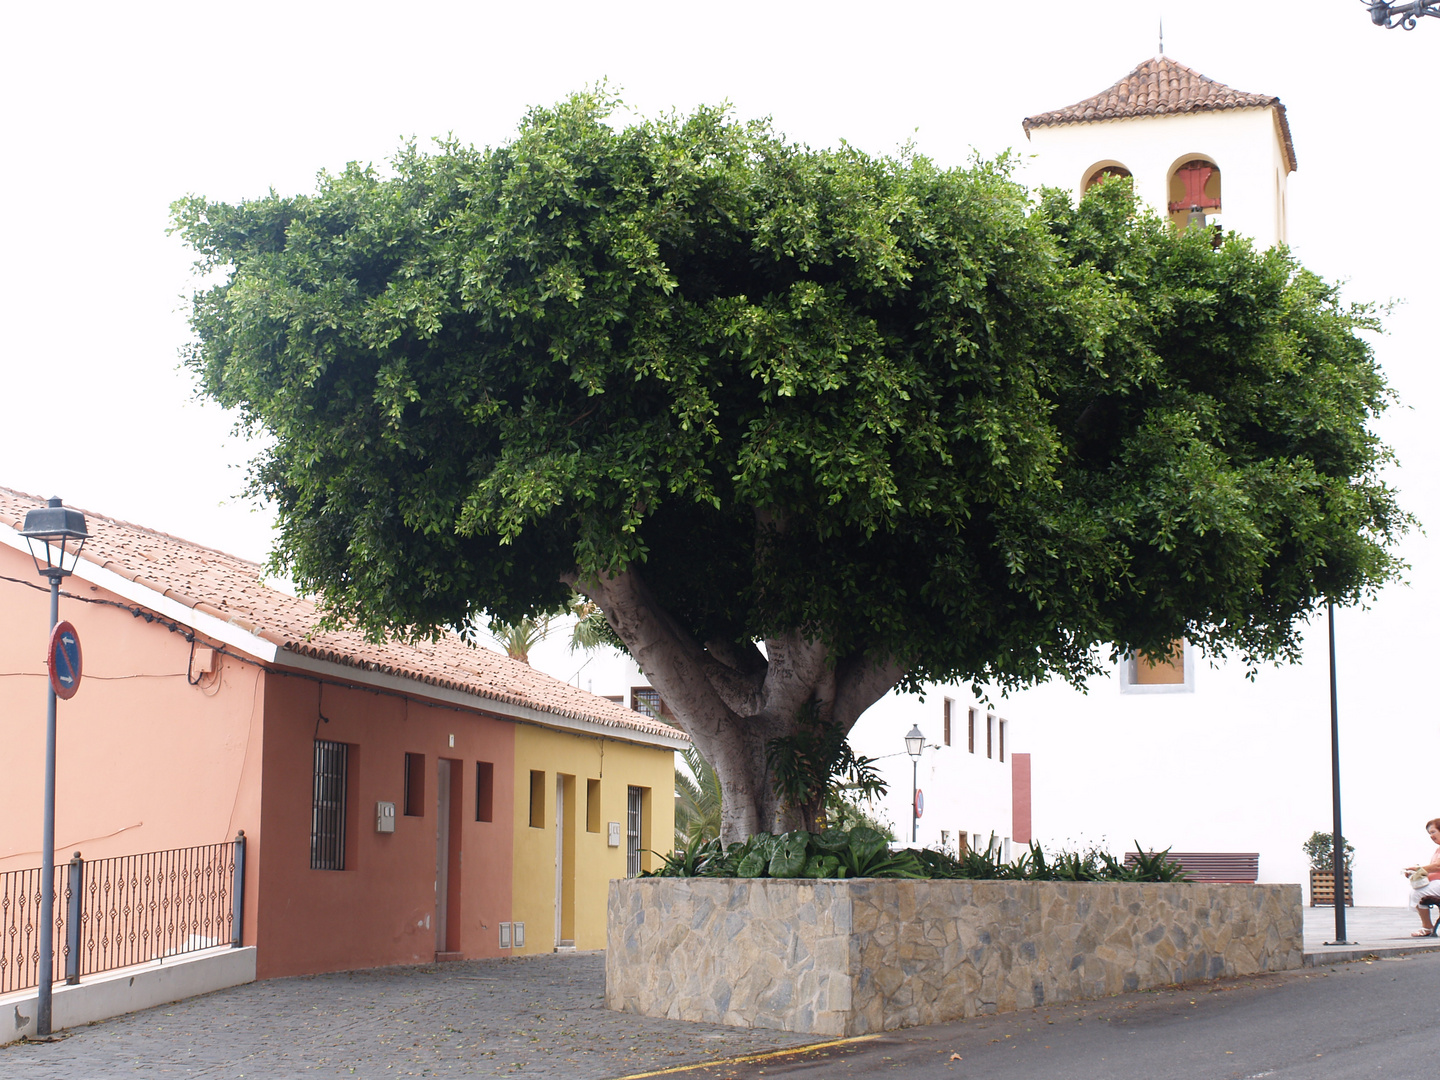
(915, 741)
(55, 536)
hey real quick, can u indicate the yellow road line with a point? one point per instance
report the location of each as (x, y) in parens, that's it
(720, 1062)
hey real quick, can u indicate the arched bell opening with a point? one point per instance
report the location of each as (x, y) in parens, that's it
(1102, 171)
(1194, 192)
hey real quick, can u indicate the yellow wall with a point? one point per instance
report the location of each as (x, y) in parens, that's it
(590, 862)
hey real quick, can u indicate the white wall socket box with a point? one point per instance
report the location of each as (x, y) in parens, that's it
(614, 834)
(505, 935)
(384, 817)
(519, 934)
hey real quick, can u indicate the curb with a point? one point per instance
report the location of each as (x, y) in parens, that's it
(1361, 952)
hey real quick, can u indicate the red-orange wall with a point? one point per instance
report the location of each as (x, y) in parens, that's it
(1020, 828)
(380, 908)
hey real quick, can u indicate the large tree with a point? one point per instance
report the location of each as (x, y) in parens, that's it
(892, 422)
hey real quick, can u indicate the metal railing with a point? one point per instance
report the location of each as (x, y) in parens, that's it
(130, 909)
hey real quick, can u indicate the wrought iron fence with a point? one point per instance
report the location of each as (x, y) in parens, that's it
(20, 927)
(130, 909)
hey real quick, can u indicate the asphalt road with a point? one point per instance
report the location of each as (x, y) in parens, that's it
(1376, 1019)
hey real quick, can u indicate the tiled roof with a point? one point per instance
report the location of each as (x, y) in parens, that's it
(1161, 87)
(230, 588)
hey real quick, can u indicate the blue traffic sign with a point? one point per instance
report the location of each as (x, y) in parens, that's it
(64, 660)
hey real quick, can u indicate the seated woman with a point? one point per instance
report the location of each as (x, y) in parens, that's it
(1432, 886)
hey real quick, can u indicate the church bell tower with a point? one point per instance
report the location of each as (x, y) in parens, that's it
(1199, 152)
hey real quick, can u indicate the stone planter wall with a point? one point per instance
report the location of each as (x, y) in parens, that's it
(857, 956)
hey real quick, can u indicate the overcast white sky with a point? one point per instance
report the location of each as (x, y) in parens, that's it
(112, 111)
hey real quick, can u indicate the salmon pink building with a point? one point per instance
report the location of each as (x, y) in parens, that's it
(400, 803)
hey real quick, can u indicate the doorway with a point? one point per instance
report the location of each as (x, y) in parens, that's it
(447, 858)
(565, 807)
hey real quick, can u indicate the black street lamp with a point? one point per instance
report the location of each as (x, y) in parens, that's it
(1392, 15)
(914, 743)
(1338, 864)
(55, 536)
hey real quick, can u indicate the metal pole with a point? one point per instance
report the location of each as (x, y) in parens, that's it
(914, 795)
(1338, 836)
(46, 973)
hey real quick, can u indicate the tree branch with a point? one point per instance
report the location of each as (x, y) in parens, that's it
(860, 681)
(671, 659)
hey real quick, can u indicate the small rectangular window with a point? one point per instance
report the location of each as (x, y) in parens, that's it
(634, 819)
(484, 791)
(537, 799)
(972, 731)
(592, 805)
(327, 816)
(948, 710)
(990, 735)
(414, 785)
(1168, 671)
(1002, 740)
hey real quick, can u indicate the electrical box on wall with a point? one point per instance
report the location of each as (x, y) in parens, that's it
(614, 840)
(505, 935)
(518, 934)
(384, 817)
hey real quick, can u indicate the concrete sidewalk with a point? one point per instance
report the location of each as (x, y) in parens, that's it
(1371, 931)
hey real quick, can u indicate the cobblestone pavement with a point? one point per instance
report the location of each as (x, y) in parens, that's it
(536, 1017)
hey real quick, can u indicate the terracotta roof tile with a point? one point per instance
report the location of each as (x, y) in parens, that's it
(231, 589)
(1161, 87)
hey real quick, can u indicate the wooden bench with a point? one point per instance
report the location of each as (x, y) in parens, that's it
(1216, 867)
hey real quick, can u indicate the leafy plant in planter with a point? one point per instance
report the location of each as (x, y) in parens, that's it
(1320, 849)
(863, 852)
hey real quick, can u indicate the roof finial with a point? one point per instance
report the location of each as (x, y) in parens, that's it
(1162, 38)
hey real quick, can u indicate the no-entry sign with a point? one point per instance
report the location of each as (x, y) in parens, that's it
(64, 660)
(919, 804)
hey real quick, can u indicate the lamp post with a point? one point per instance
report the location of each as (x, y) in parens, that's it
(1338, 838)
(914, 743)
(1392, 15)
(55, 536)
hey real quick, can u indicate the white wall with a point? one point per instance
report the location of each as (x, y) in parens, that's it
(1244, 143)
(963, 791)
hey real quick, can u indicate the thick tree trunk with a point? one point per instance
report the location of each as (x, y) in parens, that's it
(733, 700)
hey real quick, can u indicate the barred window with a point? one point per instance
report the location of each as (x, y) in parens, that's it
(327, 820)
(645, 699)
(634, 806)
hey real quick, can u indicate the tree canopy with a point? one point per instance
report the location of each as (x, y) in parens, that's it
(897, 422)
